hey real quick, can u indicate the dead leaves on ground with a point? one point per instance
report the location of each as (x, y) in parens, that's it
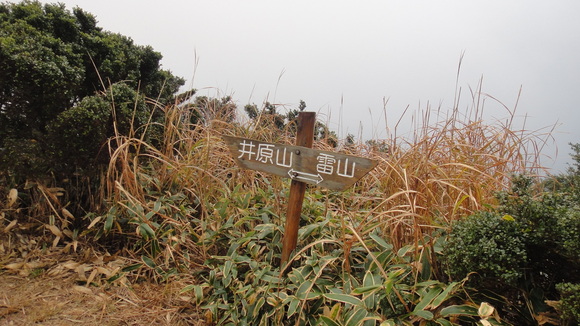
(87, 288)
(49, 300)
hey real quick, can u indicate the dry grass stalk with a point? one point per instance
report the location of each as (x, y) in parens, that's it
(449, 169)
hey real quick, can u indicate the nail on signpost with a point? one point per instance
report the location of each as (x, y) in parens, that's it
(303, 165)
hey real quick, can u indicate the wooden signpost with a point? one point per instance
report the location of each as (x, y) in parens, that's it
(303, 165)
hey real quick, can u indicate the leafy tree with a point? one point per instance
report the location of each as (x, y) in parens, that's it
(52, 65)
(269, 116)
(379, 145)
(251, 111)
(205, 109)
(66, 87)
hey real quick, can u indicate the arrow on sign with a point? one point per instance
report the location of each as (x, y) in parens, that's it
(303, 176)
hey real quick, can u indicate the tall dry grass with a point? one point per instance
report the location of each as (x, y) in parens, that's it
(450, 167)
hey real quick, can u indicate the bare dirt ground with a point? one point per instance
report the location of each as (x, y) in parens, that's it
(40, 286)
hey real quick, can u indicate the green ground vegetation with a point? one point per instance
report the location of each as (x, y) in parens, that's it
(453, 226)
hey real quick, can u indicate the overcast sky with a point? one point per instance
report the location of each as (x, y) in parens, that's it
(344, 58)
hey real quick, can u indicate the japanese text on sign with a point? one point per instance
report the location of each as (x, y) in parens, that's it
(280, 156)
(331, 170)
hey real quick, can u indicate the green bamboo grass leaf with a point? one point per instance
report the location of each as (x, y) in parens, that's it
(148, 261)
(428, 315)
(444, 322)
(273, 301)
(369, 279)
(323, 320)
(187, 288)
(149, 215)
(380, 241)
(345, 298)
(265, 230)
(197, 291)
(259, 304)
(389, 284)
(114, 277)
(371, 284)
(384, 258)
(404, 250)
(427, 285)
(131, 268)
(367, 289)
(146, 231)
(293, 306)
(109, 222)
(304, 232)
(445, 294)
(271, 279)
(389, 322)
(459, 310)
(357, 317)
(227, 268)
(303, 290)
(335, 311)
(157, 206)
(427, 299)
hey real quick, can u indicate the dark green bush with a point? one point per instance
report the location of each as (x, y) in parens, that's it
(522, 250)
(487, 244)
(65, 85)
(79, 134)
(51, 59)
(551, 223)
(569, 230)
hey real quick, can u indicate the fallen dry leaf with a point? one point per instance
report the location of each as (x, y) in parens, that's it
(82, 289)
(14, 266)
(10, 226)
(93, 222)
(12, 197)
(55, 230)
(66, 213)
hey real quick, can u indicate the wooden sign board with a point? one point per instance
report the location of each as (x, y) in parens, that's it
(322, 168)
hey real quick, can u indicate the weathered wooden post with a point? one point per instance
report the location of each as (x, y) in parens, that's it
(303, 165)
(304, 138)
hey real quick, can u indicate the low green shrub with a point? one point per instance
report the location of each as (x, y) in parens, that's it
(550, 224)
(550, 219)
(520, 251)
(489, 244)
(570, 302)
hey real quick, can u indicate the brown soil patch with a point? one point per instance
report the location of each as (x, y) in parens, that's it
(51, 287)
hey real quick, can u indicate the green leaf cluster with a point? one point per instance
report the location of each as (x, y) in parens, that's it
(64, 81)
(269, 117)
(382, 286)
(488, 244)
(152, 228)
(523, 249)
